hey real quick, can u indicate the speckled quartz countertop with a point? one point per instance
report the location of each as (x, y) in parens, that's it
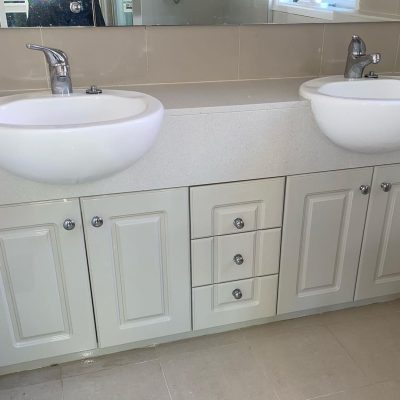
(186, 98)
(216, 132)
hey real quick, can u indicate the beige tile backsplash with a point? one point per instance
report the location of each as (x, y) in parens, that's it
(139, 55)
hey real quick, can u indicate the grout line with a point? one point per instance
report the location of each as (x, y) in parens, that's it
(239, 52)
(147, 50)
(165, 380)
(322, 50)
(396, 59)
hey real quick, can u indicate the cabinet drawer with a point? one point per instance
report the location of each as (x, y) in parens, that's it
(216, 305)
(232, 257)
(253, 205)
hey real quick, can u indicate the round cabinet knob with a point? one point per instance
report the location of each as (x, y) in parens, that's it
(97, 222)
(239, 223)
(69, 224)
(238, 259)
(237, 294)
(386, 187)
(365, 189)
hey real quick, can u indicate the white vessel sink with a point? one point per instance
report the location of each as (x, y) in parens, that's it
(361, 115)
(76, 138)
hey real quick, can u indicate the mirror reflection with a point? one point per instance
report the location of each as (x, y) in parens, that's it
(32, 13)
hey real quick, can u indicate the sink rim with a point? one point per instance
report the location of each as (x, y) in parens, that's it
(312, 89)
(151, 105)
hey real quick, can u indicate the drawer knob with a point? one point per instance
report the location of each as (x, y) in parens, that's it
(239, 223)
(237, 294)
(69, 224)
(238, 259)
(386, 187)
(365, 189)
(97, 222)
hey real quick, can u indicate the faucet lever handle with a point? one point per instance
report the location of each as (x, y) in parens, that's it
(54, 57)
(357, 46)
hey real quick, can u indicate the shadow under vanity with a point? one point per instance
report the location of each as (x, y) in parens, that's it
(161, 251)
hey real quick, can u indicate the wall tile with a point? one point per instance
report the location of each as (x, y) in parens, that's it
(379, 37)
(190, 54)
(21, 68)
(102, 56)
(271, 51)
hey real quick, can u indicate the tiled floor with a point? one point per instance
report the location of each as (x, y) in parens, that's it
(345, 355)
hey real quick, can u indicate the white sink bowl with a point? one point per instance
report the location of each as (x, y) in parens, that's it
(76, 138)
(360, 115)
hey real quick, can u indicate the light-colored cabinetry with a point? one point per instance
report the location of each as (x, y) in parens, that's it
(379, 272)
(322, 236)
(138, 250)
(45, 302)
(235, 251)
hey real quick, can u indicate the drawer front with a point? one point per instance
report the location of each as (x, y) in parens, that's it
(233, 257)
(229, 303)
(236, 207)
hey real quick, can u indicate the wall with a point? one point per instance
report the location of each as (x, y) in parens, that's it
(140, 55)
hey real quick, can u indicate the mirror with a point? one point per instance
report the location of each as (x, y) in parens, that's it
(31, 13)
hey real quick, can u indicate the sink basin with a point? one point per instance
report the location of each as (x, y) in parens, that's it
(360, 115)
(76, 138)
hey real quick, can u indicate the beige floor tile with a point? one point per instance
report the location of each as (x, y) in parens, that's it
(304, 362)
(199, 343)
(222, 373)
(42, 391)
(112, 360)
(381, 391)
(133, 381)
(371, 311)
(33, 377)
(373, 343)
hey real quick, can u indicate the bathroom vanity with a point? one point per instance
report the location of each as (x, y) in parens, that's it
(241, 213)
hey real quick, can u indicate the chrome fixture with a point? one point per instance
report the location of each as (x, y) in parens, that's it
(365, 189)
(97, 222)
(357, 59)
(94, 90)
(76, 7)
(371, 75)
(239, 223)
(57, 61)
(386, 187)
(237, 294)
(238, 259)
(69, 224)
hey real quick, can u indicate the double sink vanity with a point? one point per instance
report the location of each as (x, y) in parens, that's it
(118, 230)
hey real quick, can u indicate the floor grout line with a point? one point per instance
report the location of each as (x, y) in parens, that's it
(165, 380)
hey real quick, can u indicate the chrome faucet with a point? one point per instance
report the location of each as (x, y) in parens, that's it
(57, 61)
(357, 59)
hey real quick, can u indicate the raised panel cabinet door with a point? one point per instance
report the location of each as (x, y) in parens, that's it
(322, 235)
(139, 264)
(45, 302)
(379, 272)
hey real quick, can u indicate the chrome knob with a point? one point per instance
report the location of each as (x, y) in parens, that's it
(97, 222)
(237, 294)
(386, 187)
(69, 224)
(239, 223)
(238, 259)
(365, 189)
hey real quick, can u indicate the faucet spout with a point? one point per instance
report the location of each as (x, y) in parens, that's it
(358, 60)
(59, 69)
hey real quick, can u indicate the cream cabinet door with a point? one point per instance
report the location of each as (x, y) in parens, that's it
(379, 272)
(45, 302)
(322, 235)
(139, 264)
